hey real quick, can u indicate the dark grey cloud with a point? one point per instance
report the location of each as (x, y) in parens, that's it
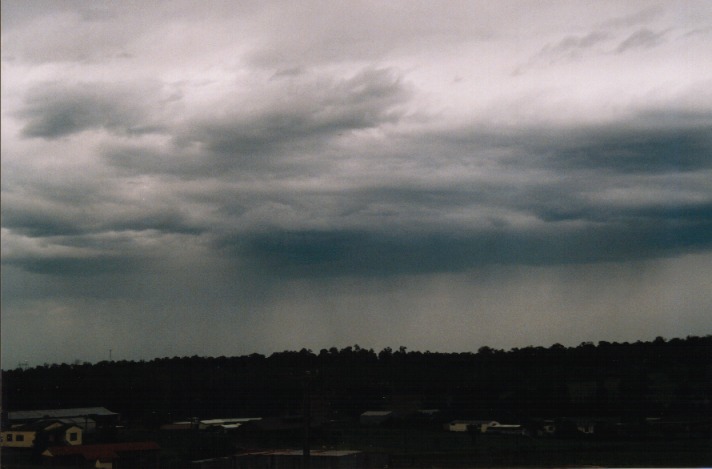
(305, 111)
(634, 234)
(614, 36)
(571, 46)
(39, 223)
(419, 222)
(615, 149)
(277, 136)
(49, 219)
(574, 227)
(579, 42)
(53, 110)
(641, 39)
(394, 226)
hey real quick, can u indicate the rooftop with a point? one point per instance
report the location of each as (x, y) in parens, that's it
(228, 421)
(40, 425)
(59, 413)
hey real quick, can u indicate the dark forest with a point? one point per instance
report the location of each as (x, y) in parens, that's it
(660, 378)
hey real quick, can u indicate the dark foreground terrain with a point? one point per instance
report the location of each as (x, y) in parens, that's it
(610, 404)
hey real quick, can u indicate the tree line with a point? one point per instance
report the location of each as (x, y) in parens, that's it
(659, 378)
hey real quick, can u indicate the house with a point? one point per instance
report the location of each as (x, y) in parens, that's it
(375, 417)
(42, 433)
(18, 438)
(138, 455)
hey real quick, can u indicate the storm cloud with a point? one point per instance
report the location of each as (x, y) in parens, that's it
(182, 178)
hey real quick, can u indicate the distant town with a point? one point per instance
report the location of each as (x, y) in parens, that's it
(606, 404)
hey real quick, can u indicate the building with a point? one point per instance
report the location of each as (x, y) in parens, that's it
(42, 433)
(496, 428)
(225, 424)
(88, 418)
(18, 438)
(135, 455)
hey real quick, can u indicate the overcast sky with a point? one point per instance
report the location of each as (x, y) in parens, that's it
(223, 178)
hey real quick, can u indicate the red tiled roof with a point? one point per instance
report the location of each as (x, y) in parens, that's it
(105, 451)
